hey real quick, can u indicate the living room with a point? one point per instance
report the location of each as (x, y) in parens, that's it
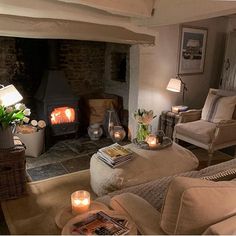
(130, 50)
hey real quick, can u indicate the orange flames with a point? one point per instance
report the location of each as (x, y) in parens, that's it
(62, 115)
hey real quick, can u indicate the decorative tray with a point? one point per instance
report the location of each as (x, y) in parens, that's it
(165, 143)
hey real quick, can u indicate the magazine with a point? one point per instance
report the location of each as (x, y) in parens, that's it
(114, 153)
(100, 224)
(116, 164)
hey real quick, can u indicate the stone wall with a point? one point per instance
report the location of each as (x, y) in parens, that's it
(7, 59)
(83, 63)
(86, 65)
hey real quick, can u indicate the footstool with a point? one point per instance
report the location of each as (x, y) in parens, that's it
(147, 165)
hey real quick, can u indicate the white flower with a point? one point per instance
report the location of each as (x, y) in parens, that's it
(26, 120)
(27, 112)
(20, 106)
(9, 109)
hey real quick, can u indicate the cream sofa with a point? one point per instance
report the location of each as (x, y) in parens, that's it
(191, 206)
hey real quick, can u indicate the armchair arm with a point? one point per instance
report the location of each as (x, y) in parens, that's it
(145, 216)
(190, 115)
(225, 132)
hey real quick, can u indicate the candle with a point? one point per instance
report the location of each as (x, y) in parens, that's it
(152, 141)
(117, 136)
(80, 202)
(95, 132)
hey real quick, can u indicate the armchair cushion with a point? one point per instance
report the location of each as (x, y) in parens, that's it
(192, 205)
(200, 130)
(218, 107)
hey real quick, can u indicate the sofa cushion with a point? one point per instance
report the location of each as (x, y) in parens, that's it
(225, 227)
(192, 205)
(199, 130)
(218, 107)
(146, 218)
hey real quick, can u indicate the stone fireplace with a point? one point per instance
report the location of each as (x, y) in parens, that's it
(52, 85)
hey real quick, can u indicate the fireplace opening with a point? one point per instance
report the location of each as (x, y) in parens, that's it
(61, 115)
(59, 73)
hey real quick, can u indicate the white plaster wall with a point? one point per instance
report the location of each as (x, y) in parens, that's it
(159, 63)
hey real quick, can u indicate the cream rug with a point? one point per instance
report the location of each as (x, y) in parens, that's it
(35, 213)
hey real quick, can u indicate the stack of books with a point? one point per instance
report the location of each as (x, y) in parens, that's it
(115, 155)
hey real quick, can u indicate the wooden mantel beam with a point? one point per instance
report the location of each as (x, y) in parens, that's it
(59, 29)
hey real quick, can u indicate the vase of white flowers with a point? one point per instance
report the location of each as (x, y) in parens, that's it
(144, 119)
(10, 116)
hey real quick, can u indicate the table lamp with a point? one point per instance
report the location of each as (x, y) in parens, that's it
(9, 95)
(175, 85)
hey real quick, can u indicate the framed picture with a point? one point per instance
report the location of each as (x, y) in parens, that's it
(192, 50)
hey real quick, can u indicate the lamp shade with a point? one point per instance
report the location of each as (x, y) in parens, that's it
(174, 85)
(9, 95)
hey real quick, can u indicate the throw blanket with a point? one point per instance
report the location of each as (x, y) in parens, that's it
(154, 191)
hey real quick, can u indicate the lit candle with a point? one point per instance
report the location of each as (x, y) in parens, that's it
(80, 202)
(117, 136)
(152, 141)
(95, 132)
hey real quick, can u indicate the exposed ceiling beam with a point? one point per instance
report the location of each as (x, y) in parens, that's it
(169, 12)
(54, 9)
(131, 8)
(59, 29)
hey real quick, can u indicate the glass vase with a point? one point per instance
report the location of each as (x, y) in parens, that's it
(143, 130)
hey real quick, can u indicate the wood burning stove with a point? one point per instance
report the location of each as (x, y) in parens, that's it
(55, 101)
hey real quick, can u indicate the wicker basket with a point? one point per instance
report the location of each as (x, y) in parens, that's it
(12, 172)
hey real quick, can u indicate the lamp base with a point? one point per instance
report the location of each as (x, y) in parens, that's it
(177, 109)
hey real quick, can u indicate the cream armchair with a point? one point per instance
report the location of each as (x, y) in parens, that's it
(207, 135)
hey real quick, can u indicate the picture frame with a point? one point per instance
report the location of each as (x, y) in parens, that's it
(192, 53)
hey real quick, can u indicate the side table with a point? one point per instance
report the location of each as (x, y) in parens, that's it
(12, 172)
(65, 214)
(167, 122)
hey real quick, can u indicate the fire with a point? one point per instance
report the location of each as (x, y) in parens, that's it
(62, 115)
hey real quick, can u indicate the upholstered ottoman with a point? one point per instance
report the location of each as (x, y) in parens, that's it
(146, 166)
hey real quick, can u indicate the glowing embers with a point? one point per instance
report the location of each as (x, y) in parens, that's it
(62, 115)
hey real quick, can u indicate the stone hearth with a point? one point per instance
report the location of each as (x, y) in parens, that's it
(64, 157)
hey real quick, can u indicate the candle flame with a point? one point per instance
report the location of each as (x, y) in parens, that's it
(79, 202)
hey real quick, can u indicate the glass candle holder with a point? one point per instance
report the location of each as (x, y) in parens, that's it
(152, 141)
(80, 202)
(117, 133)
(95, 131)
(111, 120)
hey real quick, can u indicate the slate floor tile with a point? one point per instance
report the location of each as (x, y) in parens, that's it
(76, 164)
(46, 171)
